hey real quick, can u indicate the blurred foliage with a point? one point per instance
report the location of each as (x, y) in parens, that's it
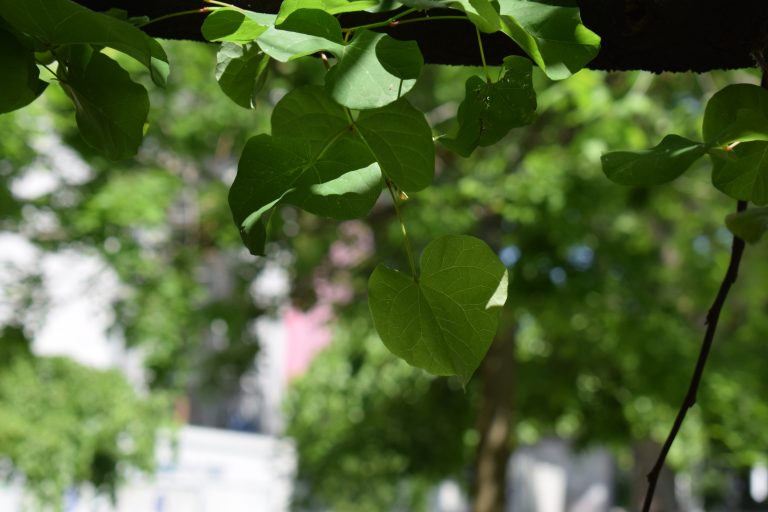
(363, 419)
(64, 424)
(162, 224)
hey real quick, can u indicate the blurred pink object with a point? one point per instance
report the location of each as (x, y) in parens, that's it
(306, 334)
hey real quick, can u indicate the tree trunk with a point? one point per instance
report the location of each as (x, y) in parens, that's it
(664, 499)
(495, 425)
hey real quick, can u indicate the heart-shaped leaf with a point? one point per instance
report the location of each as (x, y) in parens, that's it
(445, 321)
(660, 164)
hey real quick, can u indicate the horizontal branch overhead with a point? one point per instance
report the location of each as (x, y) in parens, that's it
(650, 35)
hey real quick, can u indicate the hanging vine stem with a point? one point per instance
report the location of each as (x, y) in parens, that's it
(482, 55)
(713, 315)
(406, 240)
(201, 10)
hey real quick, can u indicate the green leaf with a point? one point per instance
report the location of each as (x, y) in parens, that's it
(310, 114)
(491, 109)
(552, 35)
(63, 22)
(287, 7)
(313, 160)
(311, 31)
(234, 25)
(267, 168)
(736, 113)
(314, 22)
(749, 225)
(400, 138)
(110, 108)
(343, 184)
(402, 59)
(660, 164)
(21, 82)
(445, 321)
(362, 81)
(241, 71)
(742, 172)
(482, 13)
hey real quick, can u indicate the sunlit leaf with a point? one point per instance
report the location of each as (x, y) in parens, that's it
(287, 7)
(234, 25)
(362, 80)
(551, 34)
(445, 321)
(314, 22)
(304, 32)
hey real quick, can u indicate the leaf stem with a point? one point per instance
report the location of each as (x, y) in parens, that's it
(482, 56)
(324, 58)
(223, 4)
(201, 10)
(395, 20)
(429, 18)
(406, 240)
(384, 23)
(713, 315)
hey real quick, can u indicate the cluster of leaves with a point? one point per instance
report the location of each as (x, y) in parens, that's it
(736, 140)
(56, 436)
(111, 109)
(333, 148)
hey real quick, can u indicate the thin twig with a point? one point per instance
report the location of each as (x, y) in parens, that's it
(737, 248)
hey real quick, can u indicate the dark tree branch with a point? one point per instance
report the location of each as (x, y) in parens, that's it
(651, 35)
(737, 248)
